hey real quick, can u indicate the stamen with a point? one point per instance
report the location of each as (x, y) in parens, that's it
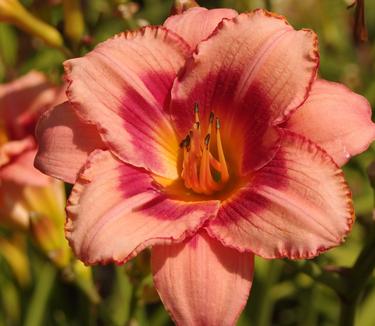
(199, 164)
(210, 121)
(187, 139)
(195, 143)
(207, 140)
(185, 166)
(196, 112)
(183, 143)
(203, 172)
(218, 124)
(194, 175)
(223, 163)
(215, 163)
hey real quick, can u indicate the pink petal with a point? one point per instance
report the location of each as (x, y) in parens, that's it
(252, 72)
(123, 87)
(12, 149)
(201, 282)
(297, 206)
(64, 143)
(20, 170)
(335, 118)
(196, 24)
(22, 101)
(116, 210)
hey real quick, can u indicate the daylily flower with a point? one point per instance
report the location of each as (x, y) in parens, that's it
(212, 140)
(30, 200)
(22, 187)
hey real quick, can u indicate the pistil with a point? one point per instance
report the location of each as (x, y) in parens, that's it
(199, 165)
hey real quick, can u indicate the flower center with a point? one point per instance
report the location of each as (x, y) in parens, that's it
(201, 171)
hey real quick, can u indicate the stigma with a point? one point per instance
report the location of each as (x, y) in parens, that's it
(201, 171)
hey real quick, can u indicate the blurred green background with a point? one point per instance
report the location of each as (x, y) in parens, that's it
(283, 293)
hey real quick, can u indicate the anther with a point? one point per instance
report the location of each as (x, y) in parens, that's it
(212, 115)
(207, 140)
(196, 112)
(196, 107)
(187, 139)
(185, 142)
(218, 124)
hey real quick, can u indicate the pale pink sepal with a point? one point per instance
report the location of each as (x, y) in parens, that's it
(123, 87)
(201, 282)
(116, 210)
(337, 119)
(196, 24)
(64, 143)
(297, 206)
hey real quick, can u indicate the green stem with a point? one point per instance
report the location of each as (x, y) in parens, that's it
(132, 306)
(356, 280)
(313, 270)
(347, 312)
(268, 4)
(361, 271)
(266, 301)
(39, 301)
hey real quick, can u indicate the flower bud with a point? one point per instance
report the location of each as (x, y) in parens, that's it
(13, 12)
(9, 8)
(50, 239)
(13, 252)
(181, 5)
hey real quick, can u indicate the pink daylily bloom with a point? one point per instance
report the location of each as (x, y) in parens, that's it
(207, 139)
(21, 103)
